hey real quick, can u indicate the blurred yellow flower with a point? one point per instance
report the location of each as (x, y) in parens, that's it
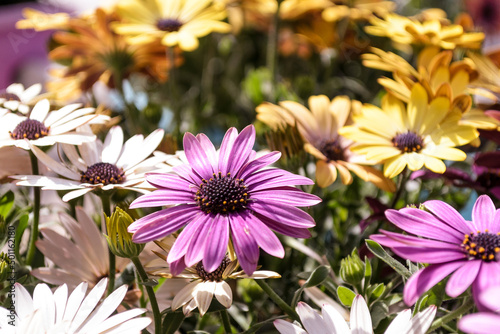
(420, 134)
(40, 21)
(357, 10)
(319, 127)
(257, 14)
(175, 22)
(294, 9)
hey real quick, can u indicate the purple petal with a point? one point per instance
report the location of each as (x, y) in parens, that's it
(217, 238)
(183, 241)
(391, 239)
(480, 323)
(422, 223)
(187, 173)
(265, 238)
(463, 278)
(177, 267)
(225, 150)
(197, 157)
(209, 150)
(483, 212)
(450, 216)
(258, 163)
(286, 195)
(284, 229)
(242, 148)
(488, 276)
(426, 278)
(198, 242)
(168, 181)
(490, 298)
(245, 246)
(428, 255)
(163, 198)
(271, 178)
(283, 214)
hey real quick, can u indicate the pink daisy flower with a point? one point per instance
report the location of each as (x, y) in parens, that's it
(224, 195)
(450, 244)
(484, 322)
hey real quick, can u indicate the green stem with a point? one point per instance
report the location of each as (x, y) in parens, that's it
(36, 213)
(405, 174)
(151, 294)
(226, 321)
(277, 299)
(106, 208)
(466, 306)
(271, 50)
(173, 95)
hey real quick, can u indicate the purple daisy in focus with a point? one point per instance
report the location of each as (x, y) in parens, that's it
(224, 195)
(484, 322)
(450, 244)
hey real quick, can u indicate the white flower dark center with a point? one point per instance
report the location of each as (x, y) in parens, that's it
(9, 96)
(482, 245)
(102, 172)
(29, 129)
(332, 150)
(168, 25)
(221, 194)
(408, 142)
(214, 276)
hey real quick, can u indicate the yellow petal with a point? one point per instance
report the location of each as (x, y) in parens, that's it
(415, 161)
(417, 107)
(445, 153)
(394, 166)
(326, 173)
(435, 165)
(345, 175)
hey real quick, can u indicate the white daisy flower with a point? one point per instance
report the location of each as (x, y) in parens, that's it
(332, 322)
(17, 99)
(102, 166)
(44, 127)
(48, 313)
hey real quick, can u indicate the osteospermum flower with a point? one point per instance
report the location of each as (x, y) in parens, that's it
(222, 195)
(101, 166)
(418, 135)
(450, 244)
(484, 322)
(44, 127)
(18, 99)
(176, 22)
(319, 129)
(48, 312)
(331, 321)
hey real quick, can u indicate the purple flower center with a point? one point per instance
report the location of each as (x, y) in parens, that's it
(408, 142)
(482, 245)
(9, 96)
(332, 150)
(102, 172)
(221, 194)
(169, 25)
(214, 276)
(30, 129)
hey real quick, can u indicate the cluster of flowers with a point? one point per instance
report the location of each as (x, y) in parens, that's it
(221, 207)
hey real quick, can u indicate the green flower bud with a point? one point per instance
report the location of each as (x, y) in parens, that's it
(352, 269)
(119, 240)
(5, 270)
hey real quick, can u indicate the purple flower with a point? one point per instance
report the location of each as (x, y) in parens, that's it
(223, 195)
(484, 322)
(450, 244)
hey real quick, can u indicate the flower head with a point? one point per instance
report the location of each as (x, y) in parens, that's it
(119, 240)
(175, 22)
(418, 135)
(224, 194)
(484, 322)
(357, 10)
(16, 98)
(450, 244)
(48, 312)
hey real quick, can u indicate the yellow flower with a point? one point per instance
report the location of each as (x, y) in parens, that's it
(40, 21)
(421, 134)
(255, 13)
(319, 128)
(176, 22)
(357, 10)
(405, 31)
(295, 9)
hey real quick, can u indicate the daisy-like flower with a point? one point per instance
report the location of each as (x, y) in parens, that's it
(222, 195)
(450, 244)
(257, 14)
(40, 21)
(319, 129)
(48, 312)
(176, 22)
(484, 322)
(404, 31)
(44, 127)
(331, 321)
(418, 135)
(203, 285)
(85, 258)
(16, 98)
(357, 10)
(101, 166)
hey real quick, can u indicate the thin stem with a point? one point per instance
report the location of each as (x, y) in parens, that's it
(271, 49)
(106, 208)
(277, 299)
(36, 213)
(173, 94)
(226, 321)
(466, 306)
(151, 294)
(405, 174)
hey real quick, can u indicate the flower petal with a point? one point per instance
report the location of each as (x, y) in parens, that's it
(479, 323)
(258, 163)
(241, 149)
(483, 212)
(462, 278)
(283, 214)
(197, 157)
(245, 246)
(286, 195)
(217, 238)
(448, 215)
(361, 322)
(225, 149)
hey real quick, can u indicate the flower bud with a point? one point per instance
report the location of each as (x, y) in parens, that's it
(352, 269)
(119, 239)
(5, 270)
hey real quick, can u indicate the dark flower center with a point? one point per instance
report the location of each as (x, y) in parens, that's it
(332, 150)
(221, 194)
(29, 129)
(482, 245)
(102, 172)
(168, 25)
(408, 142)
(214, 276)
(9, 96)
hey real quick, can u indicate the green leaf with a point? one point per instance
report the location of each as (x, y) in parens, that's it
(23, 223)
(172, 322)
(346, 295)
(378, 291)
(420, 305)
(368, 271)
(6, 203)
(379, 252)
(317, 276)
(149, 282)
(379, 311)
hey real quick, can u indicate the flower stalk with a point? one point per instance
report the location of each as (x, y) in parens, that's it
(277, 299)
(36, 213)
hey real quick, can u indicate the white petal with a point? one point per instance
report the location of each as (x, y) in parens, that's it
(72, 138)
(30, 92)
(43, 300)
(61, 113)
(361, 322)
(47, 182)
(76, 193)
(185, 295)
(311, 320)
(24, 302)
(284, 327)
(40, 110)
(70, 125)
(88, 304)
(422, 320)
(74, 301)
(90, 152)
(113, 144)
(15, 88)
(74, 157)
(116, 320)
(400, 324)
(54, 165)
(129, 151)
(334, 320)
(73, 116)
(203, 295)
(224, 294)
(133, 326)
